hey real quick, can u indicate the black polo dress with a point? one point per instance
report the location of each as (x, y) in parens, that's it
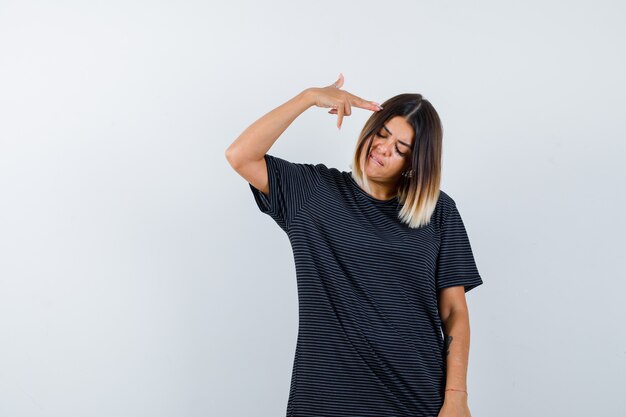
(370, 339)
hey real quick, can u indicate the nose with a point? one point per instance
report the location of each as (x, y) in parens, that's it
(384, 148)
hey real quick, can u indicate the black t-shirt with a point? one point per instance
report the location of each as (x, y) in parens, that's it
(370, 341)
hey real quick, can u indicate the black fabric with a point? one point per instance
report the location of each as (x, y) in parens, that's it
(370, 339)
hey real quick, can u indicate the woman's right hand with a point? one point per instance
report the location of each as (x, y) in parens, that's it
(339, 101)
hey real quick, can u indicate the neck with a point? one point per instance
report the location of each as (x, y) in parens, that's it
(382, 191)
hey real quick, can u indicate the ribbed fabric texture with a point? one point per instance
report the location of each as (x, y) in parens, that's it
(370, 341)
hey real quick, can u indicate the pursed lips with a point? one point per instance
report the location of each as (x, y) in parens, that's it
(377, 160)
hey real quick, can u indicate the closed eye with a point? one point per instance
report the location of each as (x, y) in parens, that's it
(396, 147)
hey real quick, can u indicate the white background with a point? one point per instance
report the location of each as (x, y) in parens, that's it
(137, 276)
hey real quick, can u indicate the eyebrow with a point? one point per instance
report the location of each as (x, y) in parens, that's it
(404, 143)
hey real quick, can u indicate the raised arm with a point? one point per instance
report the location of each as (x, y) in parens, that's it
(246, 153)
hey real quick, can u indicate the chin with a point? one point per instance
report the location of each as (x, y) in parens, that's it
(371, 166)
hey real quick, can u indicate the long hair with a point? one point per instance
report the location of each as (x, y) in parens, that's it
(419, 193)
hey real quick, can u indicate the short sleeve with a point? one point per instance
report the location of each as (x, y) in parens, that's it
(455, 262)
(290, 187)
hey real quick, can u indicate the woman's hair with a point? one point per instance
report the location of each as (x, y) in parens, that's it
(417, 194)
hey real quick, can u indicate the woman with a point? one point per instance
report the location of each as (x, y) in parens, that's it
(382, 257)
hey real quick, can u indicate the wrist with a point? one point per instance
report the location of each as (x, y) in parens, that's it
(455, 396)
(308, 96)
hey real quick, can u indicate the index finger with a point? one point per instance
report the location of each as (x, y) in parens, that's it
(364, 104)
(340, 112)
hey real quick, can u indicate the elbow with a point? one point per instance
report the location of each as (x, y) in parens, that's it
(229, 153)
(453, 312)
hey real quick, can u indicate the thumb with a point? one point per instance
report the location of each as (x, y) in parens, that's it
(339, 82)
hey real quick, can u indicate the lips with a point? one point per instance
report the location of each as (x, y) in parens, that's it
(376, 160)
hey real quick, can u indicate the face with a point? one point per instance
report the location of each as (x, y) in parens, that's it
(391, 147)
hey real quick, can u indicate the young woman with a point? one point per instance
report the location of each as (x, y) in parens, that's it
(383, 261)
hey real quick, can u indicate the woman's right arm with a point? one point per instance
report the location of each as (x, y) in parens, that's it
(258, 138)
(247, 153)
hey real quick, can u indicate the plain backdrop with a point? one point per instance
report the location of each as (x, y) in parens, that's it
(139, 278)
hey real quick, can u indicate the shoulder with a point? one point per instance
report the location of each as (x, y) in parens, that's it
(444, 207)
(297, 168)
(332, 173)
(445, 202)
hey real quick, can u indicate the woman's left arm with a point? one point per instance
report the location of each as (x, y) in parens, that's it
(455, 320)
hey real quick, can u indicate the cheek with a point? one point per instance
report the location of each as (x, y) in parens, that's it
(404, 165)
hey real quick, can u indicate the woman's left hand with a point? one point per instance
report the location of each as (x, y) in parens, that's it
(455, 407)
